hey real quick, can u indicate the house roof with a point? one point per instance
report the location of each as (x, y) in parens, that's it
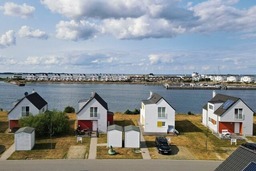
(94, 96)
(35, 99)
(115, 127)
(26, 130)
(154, 98)
(131, 128)
(227, 102)
(241, 159)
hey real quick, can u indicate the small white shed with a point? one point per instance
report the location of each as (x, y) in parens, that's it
(24, 138)
(132, 136)
(114, 136)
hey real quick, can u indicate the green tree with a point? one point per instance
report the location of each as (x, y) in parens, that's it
(69, 109)
(50, 122)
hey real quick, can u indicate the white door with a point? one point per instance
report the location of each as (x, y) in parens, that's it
(237, 127)
(94, 125)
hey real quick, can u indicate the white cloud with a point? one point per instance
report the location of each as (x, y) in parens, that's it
(23, 11)
(142, 27)
(161, 58)
(7, 39)
(80, 9)
(26, 31)
(76, 30)
(43, 60)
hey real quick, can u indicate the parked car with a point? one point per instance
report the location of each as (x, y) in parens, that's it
(162, 145)
(251, 146)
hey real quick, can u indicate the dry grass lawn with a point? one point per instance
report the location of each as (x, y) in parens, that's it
(125, 119)
(122, 153)
(6, 140)
(55, 148)
(194, 142)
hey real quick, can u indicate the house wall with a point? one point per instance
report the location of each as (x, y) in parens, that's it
(151, 117)
(23, 141)
(247, 121)
(101, 118)
(212, 119)
(15, 114)
(204, 117)
(142, 115)
(132, 139)
(114, 138)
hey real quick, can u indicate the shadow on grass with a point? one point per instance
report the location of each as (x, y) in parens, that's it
(44, 146)
(186, 126)
(148, 143)
(3, 126)
(175, 149)
(2, 149)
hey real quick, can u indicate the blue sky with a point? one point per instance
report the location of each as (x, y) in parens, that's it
(128, 36)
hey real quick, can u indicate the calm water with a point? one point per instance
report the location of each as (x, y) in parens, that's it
(119, 97)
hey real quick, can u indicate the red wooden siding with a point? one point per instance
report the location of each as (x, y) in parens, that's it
(85, 124)
(110, 119)
(226, 125)
(14, 124)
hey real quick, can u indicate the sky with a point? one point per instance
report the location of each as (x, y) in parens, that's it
(128, 36)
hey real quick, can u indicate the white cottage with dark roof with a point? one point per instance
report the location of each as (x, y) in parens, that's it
(93, 114)
(157, 115)
(230, 113)
(30, 104)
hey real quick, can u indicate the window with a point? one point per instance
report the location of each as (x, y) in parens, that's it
(25, 111)
(93, 111)
(211, 107)
(161, 112)
(239, 113)
(160, 124)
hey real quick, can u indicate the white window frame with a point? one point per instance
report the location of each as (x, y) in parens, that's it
(238, 113)
(161, 112)
(93, 112)
(25, 111)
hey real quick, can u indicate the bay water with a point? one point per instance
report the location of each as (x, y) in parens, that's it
(119, 97)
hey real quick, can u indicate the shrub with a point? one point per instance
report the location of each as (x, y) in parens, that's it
(50, 122)
(190, 113)
(134, 112)
(69, 109)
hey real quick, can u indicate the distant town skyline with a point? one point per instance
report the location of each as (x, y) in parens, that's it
(128, 36)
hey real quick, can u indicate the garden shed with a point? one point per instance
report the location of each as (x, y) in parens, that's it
(114, 136)
(132, 136)
(24, 138)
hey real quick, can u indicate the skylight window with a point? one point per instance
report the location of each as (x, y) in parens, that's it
(227, 104)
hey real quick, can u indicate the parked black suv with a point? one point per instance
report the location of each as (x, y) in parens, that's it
(162, 145)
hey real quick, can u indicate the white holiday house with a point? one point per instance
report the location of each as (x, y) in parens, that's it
(24, 138)
(30, 104)
(157, 115)
(93, 114)
(224, 112)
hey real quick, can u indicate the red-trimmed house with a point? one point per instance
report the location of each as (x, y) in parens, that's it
(93, 114)
(225, 112)
(30, 104)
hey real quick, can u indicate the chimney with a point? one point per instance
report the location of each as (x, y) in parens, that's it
(213, 93)
(26, 94)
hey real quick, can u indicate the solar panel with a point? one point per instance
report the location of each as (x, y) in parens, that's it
(250, 167)
(227, 104)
